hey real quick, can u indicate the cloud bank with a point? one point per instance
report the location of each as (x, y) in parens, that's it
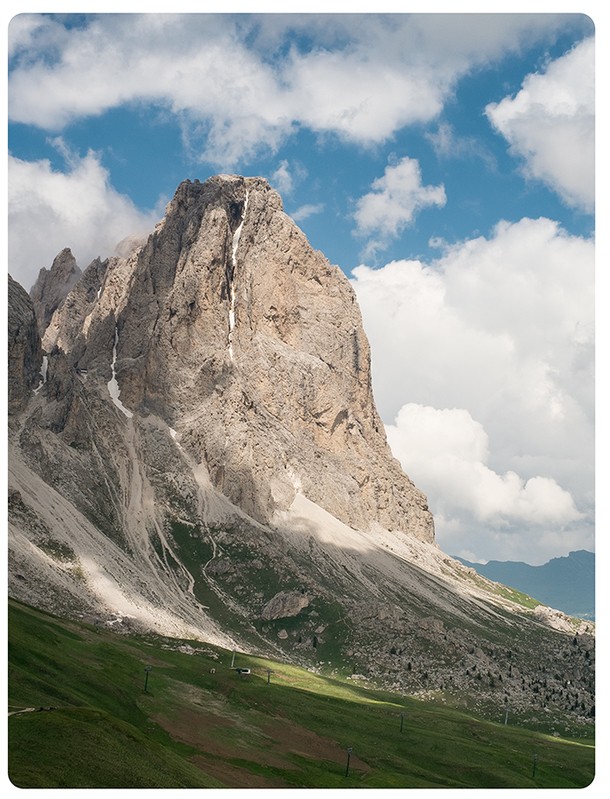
(449, 450)
(77, 209)
(550, 125)
(384, 212)
(483, 368)
(243, 84)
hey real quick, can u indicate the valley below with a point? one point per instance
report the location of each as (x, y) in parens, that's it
(90, 708)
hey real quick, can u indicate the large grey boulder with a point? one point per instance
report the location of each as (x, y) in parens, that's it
(284, 605)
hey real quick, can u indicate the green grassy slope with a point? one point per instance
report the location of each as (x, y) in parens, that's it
(200, 724)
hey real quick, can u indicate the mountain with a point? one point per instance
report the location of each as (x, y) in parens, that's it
(52, 287)
(201, 457)
(567, 583)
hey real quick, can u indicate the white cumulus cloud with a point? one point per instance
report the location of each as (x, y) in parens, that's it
(242, 84)
(550, 124)
(447, 450)
(77, 209)
(282, 178)
(307, 210)
(499, 330)
(383, 213)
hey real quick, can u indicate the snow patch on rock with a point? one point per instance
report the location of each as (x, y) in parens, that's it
(113, 386)
(43, 373)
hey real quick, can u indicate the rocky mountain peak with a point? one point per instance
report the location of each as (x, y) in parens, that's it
(52, 287)
(250, 344)
(232, 329)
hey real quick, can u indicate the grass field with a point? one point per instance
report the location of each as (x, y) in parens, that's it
(80, 717)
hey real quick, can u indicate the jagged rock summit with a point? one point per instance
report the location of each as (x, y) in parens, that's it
(248, 344)
(194, 449)
(52, 287)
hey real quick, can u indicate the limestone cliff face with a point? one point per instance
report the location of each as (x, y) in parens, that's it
(250, 345)
(24, 350)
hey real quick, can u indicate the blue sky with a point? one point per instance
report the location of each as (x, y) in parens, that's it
(444, 162)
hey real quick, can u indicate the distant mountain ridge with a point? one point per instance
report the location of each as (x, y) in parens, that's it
(566, 583)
